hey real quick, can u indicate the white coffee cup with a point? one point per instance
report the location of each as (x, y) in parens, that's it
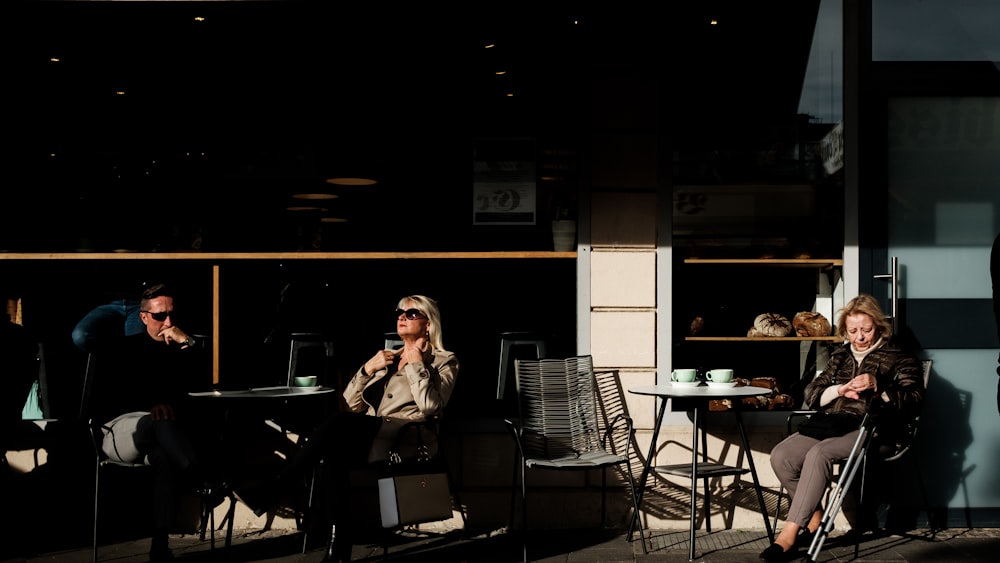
(719, 375)
(684, 375)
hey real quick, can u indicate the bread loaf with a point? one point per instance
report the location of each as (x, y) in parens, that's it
(810, 323)
(770, 324)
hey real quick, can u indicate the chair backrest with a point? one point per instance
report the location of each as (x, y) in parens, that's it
(557, 407)
(904, 446)
(513, 346)
(301, 344)
(392, 341)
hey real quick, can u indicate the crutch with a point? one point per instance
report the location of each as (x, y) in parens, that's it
(851, 464)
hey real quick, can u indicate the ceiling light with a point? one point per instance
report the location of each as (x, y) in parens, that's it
(351, 181)
(315, 196)
(333, 220)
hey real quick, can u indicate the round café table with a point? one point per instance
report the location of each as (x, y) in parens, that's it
(699, 395)
(227, 399)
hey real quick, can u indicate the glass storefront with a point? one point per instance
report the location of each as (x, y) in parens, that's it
(938, 188)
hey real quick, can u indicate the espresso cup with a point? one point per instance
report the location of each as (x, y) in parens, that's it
(305, 381)
(684, 375)
(719, 375)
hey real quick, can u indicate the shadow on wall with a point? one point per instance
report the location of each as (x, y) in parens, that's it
(944, 436)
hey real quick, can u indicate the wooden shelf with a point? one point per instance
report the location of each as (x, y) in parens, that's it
(811, 262)
(763, 339)
(504, 254)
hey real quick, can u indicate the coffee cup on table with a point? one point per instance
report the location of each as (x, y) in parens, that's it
(684, 375)
(305, 381)
(719, 375)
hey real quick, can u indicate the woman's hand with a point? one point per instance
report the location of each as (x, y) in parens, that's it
(414, 351)
(861, 383)
(381, 359)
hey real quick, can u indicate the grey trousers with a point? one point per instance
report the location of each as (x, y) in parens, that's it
(804, 466)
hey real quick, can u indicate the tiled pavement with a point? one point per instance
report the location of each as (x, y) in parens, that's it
(551, 546)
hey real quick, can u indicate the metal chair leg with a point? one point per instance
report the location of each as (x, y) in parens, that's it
(97, 480)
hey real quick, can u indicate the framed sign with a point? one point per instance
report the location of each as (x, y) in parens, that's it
(504, 184)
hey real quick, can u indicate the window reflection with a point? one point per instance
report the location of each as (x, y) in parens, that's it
(947, 30)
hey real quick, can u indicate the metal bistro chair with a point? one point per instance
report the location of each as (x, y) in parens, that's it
(302, 343)
(515, 346)
(302, 346)
(560, 426)
(103, 464)
(392, 341)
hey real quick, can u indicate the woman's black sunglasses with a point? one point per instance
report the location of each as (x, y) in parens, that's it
(411, 314)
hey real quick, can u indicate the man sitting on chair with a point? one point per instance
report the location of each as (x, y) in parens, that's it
(140, 391)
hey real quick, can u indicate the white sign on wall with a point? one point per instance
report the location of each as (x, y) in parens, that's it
(504, 182)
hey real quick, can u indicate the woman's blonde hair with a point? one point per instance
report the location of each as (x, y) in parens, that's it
(867, 305)
(428, 307)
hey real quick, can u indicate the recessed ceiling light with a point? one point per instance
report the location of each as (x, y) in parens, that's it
(351, 181)
(315, 196)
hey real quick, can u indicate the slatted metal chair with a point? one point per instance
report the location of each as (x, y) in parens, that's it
(560, 427)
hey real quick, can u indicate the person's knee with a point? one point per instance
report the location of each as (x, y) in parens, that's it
(82, 338)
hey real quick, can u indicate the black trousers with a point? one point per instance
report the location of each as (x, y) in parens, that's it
(342, 442)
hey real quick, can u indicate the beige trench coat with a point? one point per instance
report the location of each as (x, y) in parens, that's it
(419, 392)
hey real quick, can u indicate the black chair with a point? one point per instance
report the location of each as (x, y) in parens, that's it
(104, 464)
(309, 353)
(313, 350)
(515, 346)
(392, 341)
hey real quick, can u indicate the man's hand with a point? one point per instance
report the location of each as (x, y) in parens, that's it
(161, 412)
(173, 334)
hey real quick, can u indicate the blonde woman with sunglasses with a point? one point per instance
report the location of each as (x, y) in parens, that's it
(393, 387)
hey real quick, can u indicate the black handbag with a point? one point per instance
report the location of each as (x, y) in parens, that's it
(413, 490)
(822, 425)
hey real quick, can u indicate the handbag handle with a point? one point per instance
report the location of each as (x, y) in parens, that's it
(423, 451)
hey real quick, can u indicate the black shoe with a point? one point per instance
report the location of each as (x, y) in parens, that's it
(805, 537)
(776, 554)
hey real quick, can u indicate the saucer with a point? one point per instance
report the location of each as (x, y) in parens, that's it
(305, 389)
(685, 383)
(721, 384)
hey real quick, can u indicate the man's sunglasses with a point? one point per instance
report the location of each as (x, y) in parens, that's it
(411, 314)
(159, 317)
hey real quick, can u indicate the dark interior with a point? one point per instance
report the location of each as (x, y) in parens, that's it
(155, 132)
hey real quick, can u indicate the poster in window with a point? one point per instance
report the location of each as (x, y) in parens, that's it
(504, 183)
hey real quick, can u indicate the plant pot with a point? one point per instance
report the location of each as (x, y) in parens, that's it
(564, 235)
